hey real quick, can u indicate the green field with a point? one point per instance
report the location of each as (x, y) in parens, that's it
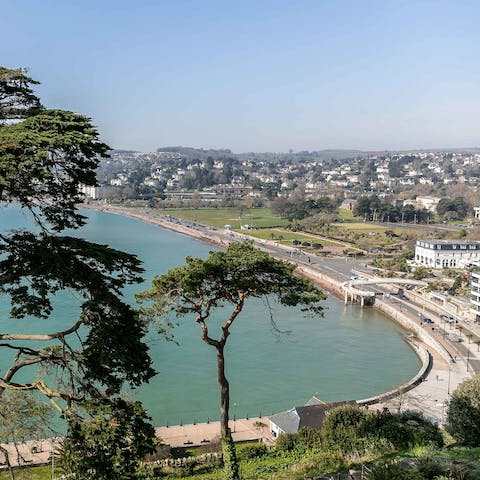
(345, 214)
(363, 227)
(285, 237)
(34, 473)
(218, 217)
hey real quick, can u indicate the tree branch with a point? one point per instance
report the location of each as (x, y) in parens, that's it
(41, 337)
(233, 316)
(205, 337)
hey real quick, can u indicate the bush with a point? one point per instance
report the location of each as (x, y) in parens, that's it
(393, 471)
(329, 461)
(404, 430)
(307, 438)
(343, 428)
(246, 452)
(285, 442)
(351, 429)
(463, 418)
(429, 468)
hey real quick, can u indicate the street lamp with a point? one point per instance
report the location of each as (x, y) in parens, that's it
(234, 415)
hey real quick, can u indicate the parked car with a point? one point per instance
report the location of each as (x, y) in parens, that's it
(448, 319)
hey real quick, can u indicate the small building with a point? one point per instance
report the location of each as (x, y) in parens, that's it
(476, 212)
(446, 253)
(310, 415)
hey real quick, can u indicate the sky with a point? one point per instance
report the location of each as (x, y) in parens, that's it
(262, 75)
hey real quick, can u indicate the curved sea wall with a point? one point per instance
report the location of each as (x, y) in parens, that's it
(427, 362)
(327, 282)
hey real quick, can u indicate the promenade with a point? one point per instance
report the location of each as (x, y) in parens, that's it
(431, 396)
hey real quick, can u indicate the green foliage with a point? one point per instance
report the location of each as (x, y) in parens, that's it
(106, 442)
(429, 468)
(453, 208)
(44, 156)
(351, 429)
(329, 460)
(421, 272)
(372, 208)
(230, 462)
(17, 99)
(256, 450)
(239, 272)
(393, 471)
(227, 277)
(43, 159)
(463, 418)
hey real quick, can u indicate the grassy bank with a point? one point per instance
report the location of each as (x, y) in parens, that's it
(218, 217)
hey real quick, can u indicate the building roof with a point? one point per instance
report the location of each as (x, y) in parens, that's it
(450, 242)
(312, 415)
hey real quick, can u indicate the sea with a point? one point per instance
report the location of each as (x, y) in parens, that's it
(348, 353)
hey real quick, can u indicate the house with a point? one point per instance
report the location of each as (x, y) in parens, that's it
(310, 415)
(348, 204)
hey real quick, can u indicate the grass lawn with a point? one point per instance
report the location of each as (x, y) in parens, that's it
(34, 473)
(285, 237)
(345, 214)
(218, 217)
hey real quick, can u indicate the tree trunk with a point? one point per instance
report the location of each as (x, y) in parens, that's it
(7, 461)
(224, 388)
(229, 455)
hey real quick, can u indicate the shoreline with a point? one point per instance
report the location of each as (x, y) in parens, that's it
(420, 392)
(328, 283)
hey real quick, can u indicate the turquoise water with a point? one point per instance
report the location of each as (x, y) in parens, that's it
(348, 353)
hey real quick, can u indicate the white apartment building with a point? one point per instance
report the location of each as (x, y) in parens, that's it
(475, 294)
(446, 253)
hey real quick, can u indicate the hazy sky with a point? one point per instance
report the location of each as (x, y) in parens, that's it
(256, 75)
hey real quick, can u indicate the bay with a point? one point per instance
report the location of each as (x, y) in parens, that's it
(348, 353)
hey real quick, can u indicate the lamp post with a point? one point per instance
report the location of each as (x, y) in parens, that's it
(234, 415)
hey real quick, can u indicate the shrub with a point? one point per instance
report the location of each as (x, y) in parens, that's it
(343, 428)
(285, 442)
(463, 418)
(246, 452)
(307, 438)
(393, 471)
(404, 430)
(429, 468)
(329, 460)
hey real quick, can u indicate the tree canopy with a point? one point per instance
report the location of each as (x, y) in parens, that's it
(226, 279)
(463, 418)
(44, 157)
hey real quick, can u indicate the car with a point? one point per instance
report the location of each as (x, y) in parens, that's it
(448, 318)
(354, 277)
(428, 320)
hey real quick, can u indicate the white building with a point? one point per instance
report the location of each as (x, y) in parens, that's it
(90, 191)
(475, 294)
(446, 253)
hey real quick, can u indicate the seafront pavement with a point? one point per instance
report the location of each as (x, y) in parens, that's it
(432, 395)
(242, 429)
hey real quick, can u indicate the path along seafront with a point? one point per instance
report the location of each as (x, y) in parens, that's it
(448, 367)
(428, 392)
